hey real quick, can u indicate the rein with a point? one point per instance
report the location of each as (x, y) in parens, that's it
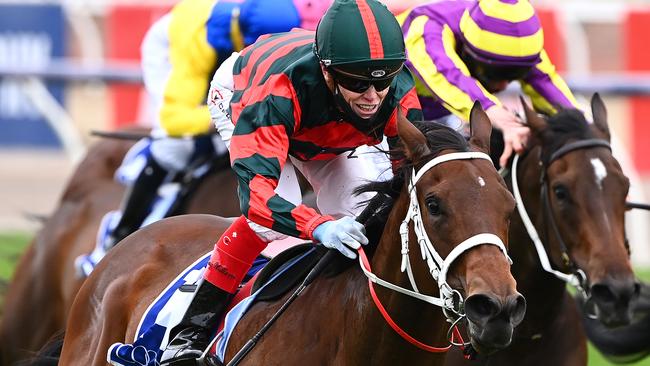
(455, 337)
(450, 300)
(577, 277)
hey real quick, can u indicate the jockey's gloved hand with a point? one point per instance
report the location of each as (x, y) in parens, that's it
(342, 234)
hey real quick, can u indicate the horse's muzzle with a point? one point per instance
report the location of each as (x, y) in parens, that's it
(491, 322)
(615, 301)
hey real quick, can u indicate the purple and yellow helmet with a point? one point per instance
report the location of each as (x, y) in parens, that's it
(502, 32)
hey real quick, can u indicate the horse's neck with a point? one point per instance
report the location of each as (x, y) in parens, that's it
(387, 258)
(526, 266)
(544, 293)
(423, 321)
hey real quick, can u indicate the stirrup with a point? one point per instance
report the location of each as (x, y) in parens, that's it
(210, 360)
(182, 349)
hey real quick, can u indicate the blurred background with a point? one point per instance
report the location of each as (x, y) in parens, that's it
(69, 67)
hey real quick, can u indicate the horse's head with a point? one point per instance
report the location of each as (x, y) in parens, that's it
(464, 210)
(582, 206)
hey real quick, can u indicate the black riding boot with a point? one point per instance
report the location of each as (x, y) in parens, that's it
(192, 336)
(138, 200)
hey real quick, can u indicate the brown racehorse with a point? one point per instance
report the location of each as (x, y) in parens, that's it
(574, 192)
(334, 321)
(45, 283)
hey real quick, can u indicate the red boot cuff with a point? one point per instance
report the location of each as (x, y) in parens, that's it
(233, 255)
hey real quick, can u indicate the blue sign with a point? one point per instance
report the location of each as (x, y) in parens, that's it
(30, 35)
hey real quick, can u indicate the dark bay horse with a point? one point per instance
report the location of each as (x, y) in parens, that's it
(44, 283)
(334, 321)
(573, 191)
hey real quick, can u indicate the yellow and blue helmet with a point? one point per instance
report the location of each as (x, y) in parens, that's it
(502, 33)
(235, 24)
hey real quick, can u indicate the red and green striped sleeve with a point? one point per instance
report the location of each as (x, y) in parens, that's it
(258, 152)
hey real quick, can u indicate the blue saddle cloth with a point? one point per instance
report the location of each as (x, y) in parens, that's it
(167, 310)
(163, 314)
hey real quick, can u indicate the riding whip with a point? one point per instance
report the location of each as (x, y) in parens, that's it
(126, 135)
(325, 260)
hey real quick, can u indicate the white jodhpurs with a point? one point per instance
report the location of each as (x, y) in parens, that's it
(174, 154)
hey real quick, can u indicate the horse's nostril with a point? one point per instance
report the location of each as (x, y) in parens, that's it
(637, 289)
(516, 309)
(603, 293)
(480, 308)
(618, 293)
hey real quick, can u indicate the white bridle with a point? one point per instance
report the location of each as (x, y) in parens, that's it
(438, 267)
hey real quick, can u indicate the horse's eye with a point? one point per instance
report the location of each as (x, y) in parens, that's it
(561, 193)
(433, 206)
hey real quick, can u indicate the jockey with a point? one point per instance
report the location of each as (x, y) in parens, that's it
(461, 51)
(314, 103)
(180, 53)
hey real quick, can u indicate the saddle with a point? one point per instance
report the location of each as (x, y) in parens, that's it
(280, 275)
(283, 273)
(289, 276)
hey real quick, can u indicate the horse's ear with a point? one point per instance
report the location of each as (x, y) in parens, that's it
(480, 128)
(415, 143)
(599, 112)
(536, 123)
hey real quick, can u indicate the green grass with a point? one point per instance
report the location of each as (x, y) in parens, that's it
(643, 274)
(596, 359)
(11, 247)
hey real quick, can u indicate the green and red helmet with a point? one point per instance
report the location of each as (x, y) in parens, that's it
(361, 38)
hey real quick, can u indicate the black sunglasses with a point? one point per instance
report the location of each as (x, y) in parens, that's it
(502, 73)
(485, 72)
(356, 85)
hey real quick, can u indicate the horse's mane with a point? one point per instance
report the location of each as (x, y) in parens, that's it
(439, 138)
(566, 125)
(48, 355)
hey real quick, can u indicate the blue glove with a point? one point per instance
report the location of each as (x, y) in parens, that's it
(342, 234)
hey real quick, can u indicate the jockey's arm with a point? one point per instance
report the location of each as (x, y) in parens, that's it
(259, 149)
(547, 89)
(433, 59)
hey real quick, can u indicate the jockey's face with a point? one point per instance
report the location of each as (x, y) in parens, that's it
(365, 104)
(494, 78)
(495, 86)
